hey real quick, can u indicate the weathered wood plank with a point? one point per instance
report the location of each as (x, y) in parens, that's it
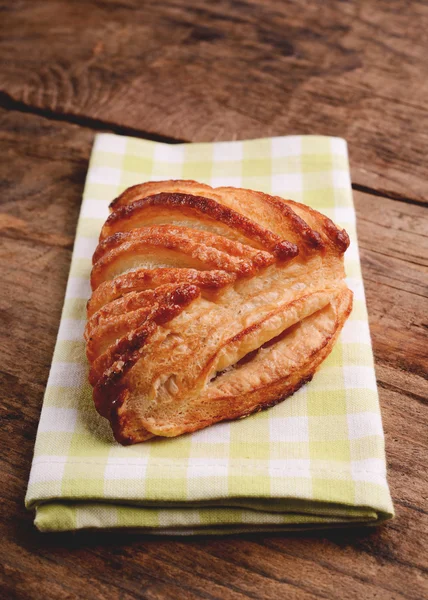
(225, 70)
(43, 172)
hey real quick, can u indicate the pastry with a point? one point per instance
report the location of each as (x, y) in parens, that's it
(208, 304)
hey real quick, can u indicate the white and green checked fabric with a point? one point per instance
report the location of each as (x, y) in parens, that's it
(316, 459)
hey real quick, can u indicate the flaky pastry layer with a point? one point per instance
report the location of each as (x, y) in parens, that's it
(208, 304)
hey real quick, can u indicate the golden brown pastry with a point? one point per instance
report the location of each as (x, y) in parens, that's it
(208, 304)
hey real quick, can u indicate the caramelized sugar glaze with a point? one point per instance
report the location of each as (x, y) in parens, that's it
(208, 304)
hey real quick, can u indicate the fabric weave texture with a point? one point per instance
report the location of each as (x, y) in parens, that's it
(315, 460)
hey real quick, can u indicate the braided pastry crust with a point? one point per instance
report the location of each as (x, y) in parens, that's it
(208, 304)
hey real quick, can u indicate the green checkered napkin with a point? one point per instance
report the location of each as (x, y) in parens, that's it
(315, 460)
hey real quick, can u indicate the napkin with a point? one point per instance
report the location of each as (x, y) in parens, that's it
(315, 460)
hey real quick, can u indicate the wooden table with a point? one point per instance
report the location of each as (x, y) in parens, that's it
(203, 71)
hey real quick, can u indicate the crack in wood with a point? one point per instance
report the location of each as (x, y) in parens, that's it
(409, 506)
(7, 102)
(365, 189)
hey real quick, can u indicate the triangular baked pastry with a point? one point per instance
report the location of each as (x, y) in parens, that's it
(209, 304)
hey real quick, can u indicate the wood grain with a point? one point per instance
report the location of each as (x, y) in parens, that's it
(38, 216)
(208, 71)
(205, 71)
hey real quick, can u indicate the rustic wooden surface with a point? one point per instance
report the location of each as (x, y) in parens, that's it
(177, 70)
